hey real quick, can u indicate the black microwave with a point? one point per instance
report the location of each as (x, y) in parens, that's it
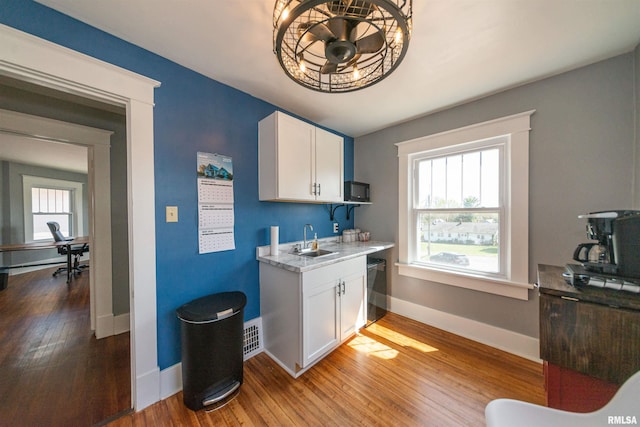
(356, 191)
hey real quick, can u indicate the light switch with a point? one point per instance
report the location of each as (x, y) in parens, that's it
(335, 227)
(172, 214)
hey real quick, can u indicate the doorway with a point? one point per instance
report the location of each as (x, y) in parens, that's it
(29, 58)
(52, 344)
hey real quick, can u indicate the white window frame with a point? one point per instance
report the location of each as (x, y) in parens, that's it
(29, 182)
(515, 237)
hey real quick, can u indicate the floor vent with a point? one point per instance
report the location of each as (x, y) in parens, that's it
(252, 338)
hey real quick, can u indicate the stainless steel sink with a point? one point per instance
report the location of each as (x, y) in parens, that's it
(316, 254)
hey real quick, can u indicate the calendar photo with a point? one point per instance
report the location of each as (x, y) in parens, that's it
(215, 166)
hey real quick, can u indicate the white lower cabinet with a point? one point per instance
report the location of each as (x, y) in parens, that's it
(331, 306)
(320, 321)
(353, 304)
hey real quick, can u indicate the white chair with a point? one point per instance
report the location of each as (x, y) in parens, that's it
(622, 409)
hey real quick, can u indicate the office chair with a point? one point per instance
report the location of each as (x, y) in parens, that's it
(623, 408)
(76, 250)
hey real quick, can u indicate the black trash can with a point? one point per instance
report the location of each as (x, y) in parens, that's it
(212, 334)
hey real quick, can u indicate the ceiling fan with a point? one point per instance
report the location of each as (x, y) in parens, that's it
(340, 45)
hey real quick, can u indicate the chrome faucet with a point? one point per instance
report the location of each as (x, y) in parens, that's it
(304, 234)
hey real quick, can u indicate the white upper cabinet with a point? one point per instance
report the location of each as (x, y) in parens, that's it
(329, 166)
(298, 161)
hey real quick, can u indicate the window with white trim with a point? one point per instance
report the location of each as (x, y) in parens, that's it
(463, 211)
(50, 204)
(48, 199)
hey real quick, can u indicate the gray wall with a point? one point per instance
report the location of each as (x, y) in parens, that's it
(581, 160)
(22, 97)
(13, 202)
(636, 192)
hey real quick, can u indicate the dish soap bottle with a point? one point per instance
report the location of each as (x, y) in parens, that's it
(314, 245)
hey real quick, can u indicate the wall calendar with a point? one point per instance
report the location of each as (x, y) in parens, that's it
(215, 203)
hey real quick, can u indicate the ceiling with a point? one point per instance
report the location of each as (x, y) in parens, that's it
(460, 50)
(37, 152)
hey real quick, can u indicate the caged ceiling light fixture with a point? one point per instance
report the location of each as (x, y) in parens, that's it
(340, 45)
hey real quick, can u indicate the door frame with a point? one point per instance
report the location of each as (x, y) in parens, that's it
(32, 59)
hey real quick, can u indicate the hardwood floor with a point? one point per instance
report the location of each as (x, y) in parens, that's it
(397, 372)
(54, 371)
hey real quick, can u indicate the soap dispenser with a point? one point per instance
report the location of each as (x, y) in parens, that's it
(314, 245)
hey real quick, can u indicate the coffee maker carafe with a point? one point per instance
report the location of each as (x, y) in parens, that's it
(615, 251)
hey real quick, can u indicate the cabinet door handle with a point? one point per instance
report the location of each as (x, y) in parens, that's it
(319, 189)
(343, 288)
(314, 189)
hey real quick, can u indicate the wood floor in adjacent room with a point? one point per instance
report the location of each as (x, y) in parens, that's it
(53, 372)
(397, 372)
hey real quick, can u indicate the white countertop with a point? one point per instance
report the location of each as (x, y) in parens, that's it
(299, 264)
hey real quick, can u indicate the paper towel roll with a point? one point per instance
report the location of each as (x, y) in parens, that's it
(274, 240)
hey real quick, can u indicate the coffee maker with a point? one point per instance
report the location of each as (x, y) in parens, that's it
(616, 250)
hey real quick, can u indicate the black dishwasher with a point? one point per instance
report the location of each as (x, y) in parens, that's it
(376, 289)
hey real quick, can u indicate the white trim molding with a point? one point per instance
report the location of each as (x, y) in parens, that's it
(171, 380)
(29, 58)
(469, 281)
(121, 323)
(74, 187)
(503, 339)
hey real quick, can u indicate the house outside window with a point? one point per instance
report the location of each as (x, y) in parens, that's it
(47, 199)
(470, 185)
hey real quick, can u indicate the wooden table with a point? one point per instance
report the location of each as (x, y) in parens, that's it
(589, 341)
(37, 246)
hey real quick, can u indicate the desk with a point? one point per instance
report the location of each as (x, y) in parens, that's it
(41, 245)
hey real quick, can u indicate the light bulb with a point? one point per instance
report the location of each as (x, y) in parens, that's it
(301, 64)
(398, 35)
(356, 72)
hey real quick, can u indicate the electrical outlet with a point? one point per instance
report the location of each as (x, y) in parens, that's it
(172, 213)
(335, 227)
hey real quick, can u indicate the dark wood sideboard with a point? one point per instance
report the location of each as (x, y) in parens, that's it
(589, 341)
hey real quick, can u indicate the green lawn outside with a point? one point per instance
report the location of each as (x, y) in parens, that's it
(473, 250)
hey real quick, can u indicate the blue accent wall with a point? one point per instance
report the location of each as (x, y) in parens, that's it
(192, 113)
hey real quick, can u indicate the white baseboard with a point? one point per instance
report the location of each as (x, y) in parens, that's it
(121, 323)
(170, 380)
(59, 262)
(109, 325)
(104, 326)
(503, 339)
(147, 389)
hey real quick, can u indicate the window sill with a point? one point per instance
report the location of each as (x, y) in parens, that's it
(504, 288)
